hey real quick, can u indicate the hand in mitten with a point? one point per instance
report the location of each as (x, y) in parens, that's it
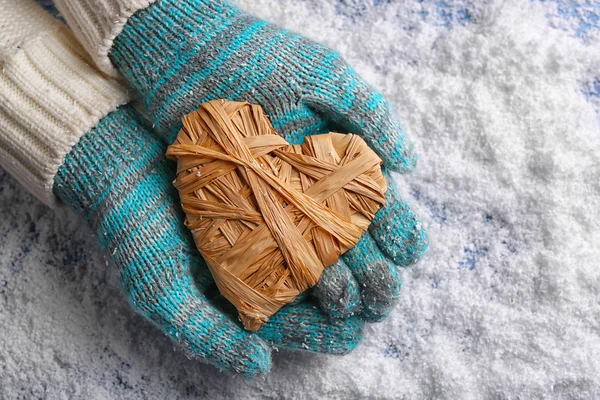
(62, 131)
(178, 54)
(117, 178)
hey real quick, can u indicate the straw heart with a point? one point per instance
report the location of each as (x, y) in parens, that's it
(268, 216)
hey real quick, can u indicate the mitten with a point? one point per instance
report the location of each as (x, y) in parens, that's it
(64, 131)
(118, 180)
(177, 54)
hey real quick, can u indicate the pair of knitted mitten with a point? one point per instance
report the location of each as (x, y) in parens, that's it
(177, 54)
(105, 162)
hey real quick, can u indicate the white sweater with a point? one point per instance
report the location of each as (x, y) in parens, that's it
(51, 94)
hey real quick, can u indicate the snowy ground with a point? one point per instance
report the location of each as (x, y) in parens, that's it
(503, 101)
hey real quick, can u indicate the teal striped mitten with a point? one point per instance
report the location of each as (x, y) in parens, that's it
(118, 179)
(177, 54)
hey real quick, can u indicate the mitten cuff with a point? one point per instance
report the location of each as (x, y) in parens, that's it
(96, 23)
(107, 162)
(50, 95)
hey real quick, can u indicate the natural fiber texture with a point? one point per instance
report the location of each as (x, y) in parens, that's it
(50, 95)
(268, 216)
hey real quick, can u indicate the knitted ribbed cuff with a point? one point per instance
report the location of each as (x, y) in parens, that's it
(107, 163)
(96, 23)
(50, 96)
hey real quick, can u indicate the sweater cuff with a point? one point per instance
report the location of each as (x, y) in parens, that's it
(96, 23)
(50, 96)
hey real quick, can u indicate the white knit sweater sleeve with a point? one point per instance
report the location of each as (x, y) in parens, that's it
(96, 23)
(51, 94)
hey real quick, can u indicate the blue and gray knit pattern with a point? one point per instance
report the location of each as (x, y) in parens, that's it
(179, 54)
(118, 179)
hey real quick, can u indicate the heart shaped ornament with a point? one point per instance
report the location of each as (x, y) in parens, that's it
(268, 216)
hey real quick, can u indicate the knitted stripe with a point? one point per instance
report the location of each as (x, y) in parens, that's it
(311, 330)
(204, 60)
(218, 41)
(50, 95)
(352, 102)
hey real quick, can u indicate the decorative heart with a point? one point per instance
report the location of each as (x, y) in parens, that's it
(268, 216)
